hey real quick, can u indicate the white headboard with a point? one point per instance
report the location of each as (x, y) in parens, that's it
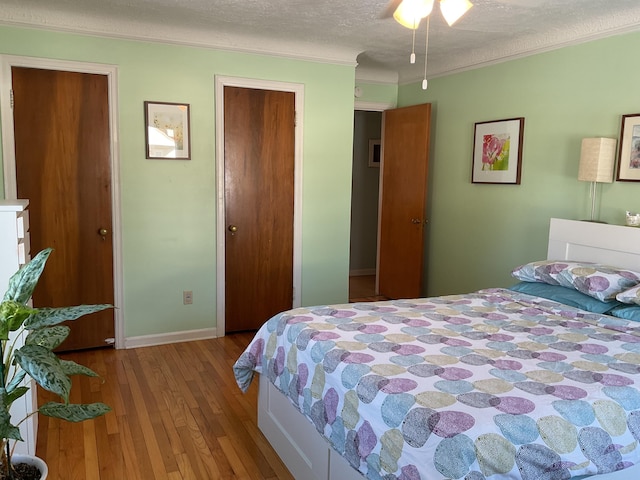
(615, 245)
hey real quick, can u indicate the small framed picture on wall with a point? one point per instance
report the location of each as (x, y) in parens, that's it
(167, 130)
(374, 153)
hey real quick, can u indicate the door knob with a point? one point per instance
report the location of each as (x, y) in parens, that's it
(416, 221)
(233, 228)
(103, 232)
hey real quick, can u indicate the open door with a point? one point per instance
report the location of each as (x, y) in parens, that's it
(403, 189)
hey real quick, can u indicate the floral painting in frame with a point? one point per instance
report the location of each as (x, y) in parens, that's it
(629, 155)
(497, 151)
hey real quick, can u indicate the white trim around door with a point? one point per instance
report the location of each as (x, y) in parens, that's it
(298, 90)
(9, 159)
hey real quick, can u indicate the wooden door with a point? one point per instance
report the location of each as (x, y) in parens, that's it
(405, 162)
(62, 141)
(259, 161)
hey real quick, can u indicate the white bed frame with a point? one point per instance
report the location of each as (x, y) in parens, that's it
(308, 455)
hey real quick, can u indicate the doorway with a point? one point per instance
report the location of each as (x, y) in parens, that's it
(365, 192)
(103, 79)
(404, 159)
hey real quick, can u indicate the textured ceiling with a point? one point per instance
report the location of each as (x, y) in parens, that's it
(348, 31)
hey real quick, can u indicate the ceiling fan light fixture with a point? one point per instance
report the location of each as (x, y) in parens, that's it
(410, 12)
(452, 10)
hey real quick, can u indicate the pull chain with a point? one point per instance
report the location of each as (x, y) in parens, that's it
(426, 52)
(412, 58)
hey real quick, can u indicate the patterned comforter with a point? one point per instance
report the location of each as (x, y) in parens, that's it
(460, 387)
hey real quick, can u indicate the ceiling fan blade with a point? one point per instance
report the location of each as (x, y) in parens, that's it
(391, 7)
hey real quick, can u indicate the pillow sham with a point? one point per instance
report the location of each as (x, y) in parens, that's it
(545, 271)
(628, 312)
(566, 296)
(630, 296)
(602, 282)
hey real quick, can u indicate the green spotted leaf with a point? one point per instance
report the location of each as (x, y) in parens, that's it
(72, 368)
(16, 381)
(14, 313)
(47, 317)
(15, 394)
(49, 337)
(45, 368)
(7, 429)
(24, 281)
(74, 412)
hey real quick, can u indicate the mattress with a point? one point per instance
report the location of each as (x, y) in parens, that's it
(494, 382)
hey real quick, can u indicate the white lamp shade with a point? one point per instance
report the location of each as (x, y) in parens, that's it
(597, 158)
(410, 12)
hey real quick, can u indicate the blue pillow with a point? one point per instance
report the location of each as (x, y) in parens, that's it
(567, 296)
(628, 312)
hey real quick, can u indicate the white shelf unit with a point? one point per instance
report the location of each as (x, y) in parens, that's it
(14, 253)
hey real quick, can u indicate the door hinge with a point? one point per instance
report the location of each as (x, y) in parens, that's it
(11, 98)
(295, 119)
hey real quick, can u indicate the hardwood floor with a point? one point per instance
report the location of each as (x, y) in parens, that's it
(362, 288)
(177, 414)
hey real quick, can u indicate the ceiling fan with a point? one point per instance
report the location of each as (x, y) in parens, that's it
(409, 13)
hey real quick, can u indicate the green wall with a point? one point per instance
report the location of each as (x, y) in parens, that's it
(478, 233)
(169, 207)
(377, 92)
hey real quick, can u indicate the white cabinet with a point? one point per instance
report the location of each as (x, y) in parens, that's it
(14, 253)
(14, 238)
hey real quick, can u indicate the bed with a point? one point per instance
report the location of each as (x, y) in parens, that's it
(495, 384)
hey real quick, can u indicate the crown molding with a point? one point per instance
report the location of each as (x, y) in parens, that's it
(376, 76)
(175, 35)
(525, 47)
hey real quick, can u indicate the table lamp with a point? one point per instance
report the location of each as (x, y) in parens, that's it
(597, 158)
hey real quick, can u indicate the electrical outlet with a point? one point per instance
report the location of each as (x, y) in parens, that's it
(187, 297)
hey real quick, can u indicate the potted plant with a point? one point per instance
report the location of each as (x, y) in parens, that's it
(27, 339)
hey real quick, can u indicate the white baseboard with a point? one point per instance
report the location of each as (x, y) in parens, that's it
(360, 273)
(172, 337)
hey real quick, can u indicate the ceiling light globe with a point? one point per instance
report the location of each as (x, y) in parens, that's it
(452, 10)
(410, 12)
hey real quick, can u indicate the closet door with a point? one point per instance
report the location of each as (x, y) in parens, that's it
(403, 190)
(63, 166)
(259, 165)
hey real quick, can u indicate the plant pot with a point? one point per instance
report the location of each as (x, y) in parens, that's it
(32, 460)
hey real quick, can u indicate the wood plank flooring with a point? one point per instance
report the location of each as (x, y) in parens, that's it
(362, 288)
(177, 414)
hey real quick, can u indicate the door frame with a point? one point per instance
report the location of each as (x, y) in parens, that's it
(9, 158)
(376, 107)
(298, 90)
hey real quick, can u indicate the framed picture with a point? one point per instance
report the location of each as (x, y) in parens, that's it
(497, 151)
(629, 156)
(374, 153)
(167, 133)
